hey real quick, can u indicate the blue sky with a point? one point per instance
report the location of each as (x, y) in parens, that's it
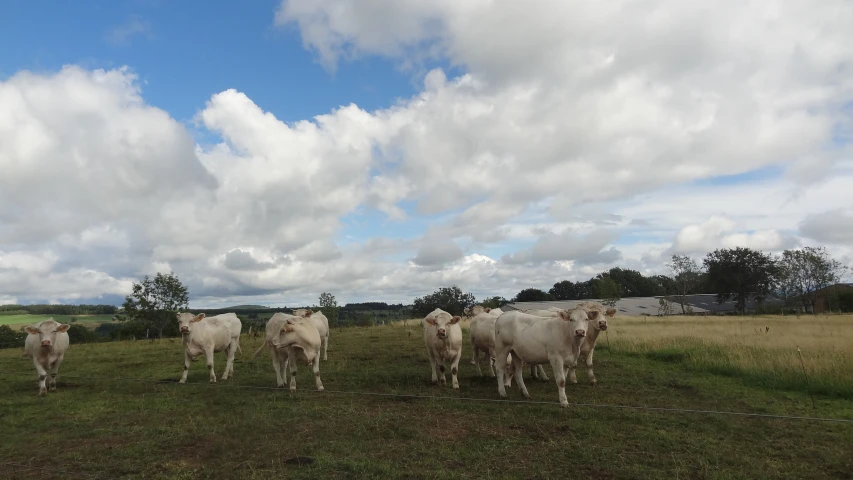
(634, 147)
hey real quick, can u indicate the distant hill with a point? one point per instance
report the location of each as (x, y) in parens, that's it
(246, 307)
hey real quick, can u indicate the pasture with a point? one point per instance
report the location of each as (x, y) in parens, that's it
(119, 414)
(29, 319)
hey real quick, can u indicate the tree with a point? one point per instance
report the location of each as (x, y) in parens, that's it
(633, 284)
(532, 295)
(329, 307)
(449, 299)
(155, 302)
(564, 290)
(494, 302)
(608, 290)
(685, 275)
(803, 272)
(740, 274)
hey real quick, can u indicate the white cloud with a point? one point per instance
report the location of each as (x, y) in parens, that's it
(832, 226)
(567, 146)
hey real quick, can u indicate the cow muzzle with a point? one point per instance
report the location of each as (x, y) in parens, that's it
(45, 343)
(580, 332)
(185, 330)
(602, 325)
(442, 334)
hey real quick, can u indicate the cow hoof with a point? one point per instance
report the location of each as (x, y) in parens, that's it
(456, 387)
(564, 405)
(320, 389)
(42, 393)
(593, 383)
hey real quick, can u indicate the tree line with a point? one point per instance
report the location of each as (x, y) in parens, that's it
(59, 309)
(738, 274)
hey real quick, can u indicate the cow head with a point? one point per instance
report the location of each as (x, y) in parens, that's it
(579, 319)
(442, 322)
(47, 331)
(185, 321)
(601, 324)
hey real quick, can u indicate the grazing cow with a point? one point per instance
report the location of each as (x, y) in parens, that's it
(588, 346)
(292, 340)
(535, 340)
(483, 340)
(443, 338)
(46, 343)
(321, 322)
(201, 334)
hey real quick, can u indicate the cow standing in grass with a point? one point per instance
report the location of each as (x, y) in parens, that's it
(443, 338)
(46, 343)
(482, 330)
(208, 335)
(321, 323)
(535, 340)
(588, 346)
(291, 340)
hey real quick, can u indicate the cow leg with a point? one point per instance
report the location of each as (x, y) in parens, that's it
(541, 373)
(454, 369)
(432, 365)
(187, 361)
(325, 348)
(589, 372)
(475, 356)
(42, 376)
(277, 366)
(500, 368)
(517, 368)
(571, 370)
(208, 354)
(291, 359)
(317, 372)
(560, 376)
(54, 371)
(229, 363)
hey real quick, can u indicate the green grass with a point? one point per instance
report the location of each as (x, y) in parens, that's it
(102, 422)
(28, 319)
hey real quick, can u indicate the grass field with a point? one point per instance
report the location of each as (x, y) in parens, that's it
(27, 319)
(111, 419)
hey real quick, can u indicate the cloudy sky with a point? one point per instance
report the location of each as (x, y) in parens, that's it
(271, 151)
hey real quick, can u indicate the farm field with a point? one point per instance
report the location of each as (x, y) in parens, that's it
(28, 319)
(119, 414)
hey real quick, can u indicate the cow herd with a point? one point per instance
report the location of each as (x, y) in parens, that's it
(509, 340)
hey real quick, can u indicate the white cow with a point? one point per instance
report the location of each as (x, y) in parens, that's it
(201, 334)
(483, 340)
(536, 340)
(588, 346)
(292, 340)
(46, 343)
(321, 322)
(474, 311)
(443, 338)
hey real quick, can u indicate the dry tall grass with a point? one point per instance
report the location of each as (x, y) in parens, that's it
(763, 348)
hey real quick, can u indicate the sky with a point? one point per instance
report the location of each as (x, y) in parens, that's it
(269, 151)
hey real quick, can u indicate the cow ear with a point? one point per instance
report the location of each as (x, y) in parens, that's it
(309, 312)
(430, 321)
(289, 321)
(62, 327)
(611, 312)
(455, 320)
(287, 328)
(565, 315)
(178, 316)
(592, 314)
(31, 330)
(198, 317)
(488, 310)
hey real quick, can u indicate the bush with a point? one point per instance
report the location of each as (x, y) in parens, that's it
(81, 334)
(10, 338)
